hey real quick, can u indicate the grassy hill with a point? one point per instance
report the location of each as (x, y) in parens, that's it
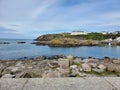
(90, 36)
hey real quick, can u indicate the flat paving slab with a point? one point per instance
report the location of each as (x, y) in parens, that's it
(94, 83)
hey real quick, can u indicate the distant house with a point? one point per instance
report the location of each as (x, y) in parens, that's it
(78, 33)
(104, 32)
(108, 40)
(118, 39)
(116, 32)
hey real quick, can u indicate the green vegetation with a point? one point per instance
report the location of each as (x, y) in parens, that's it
(64, 41)
(76, 63)
(90, 36)
(103, 73)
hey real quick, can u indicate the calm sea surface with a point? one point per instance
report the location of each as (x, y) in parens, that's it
(16, 51)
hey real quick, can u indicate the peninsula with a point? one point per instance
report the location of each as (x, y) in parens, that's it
(79, 38)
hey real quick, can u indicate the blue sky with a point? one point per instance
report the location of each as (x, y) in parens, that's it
(31, 18)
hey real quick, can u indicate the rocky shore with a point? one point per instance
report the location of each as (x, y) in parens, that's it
(60, 66)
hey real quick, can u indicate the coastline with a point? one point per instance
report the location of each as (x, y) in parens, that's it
(60, 67)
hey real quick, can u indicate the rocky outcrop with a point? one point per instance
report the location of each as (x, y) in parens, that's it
(4, 43)
(59, 66)
(21, 42)
(86, 67)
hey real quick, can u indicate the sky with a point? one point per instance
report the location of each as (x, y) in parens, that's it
(31, 18)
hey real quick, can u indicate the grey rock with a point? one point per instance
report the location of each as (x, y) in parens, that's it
(63, 63)
(86, 67)
(51, 74)
(102, 67)
(116, 61)
(8, 76)
(70, 58)
(97, 70)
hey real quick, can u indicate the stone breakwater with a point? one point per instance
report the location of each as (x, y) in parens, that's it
(60, 66)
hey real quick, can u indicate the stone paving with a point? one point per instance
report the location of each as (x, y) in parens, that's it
(95, 83)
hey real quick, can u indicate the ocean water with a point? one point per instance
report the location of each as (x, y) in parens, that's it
(16, 51)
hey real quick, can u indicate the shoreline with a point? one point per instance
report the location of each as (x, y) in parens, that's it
(50, 57)
(75, 43)
(60, 67)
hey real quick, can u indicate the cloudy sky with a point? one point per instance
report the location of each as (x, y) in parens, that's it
(31, 18)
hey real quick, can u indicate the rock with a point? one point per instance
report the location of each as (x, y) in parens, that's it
(21, 42)
(93, 65)
(117, 68)
(77, 60)
(41, 58)
(74, 71)
(71, 58)
(53, 64)
(90, 61)
(51, 74)
(34, 63)
(111, 67)
(4, 43)
(102, 67)
(86, 67)
(116, 61)
(25, 75)
(97, 70)
(64, 71)
(82, 74)
(15, 70)
(73, 66)
(29, 67)
(63, 63)
(19, 63)
(107, 60)
(8, 76)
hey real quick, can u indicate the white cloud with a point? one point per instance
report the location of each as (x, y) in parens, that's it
(42, 8)
(31, 16)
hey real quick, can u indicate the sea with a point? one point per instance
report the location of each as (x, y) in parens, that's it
(15, 51)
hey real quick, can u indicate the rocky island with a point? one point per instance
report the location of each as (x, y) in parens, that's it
(68, 40)
(60, 66)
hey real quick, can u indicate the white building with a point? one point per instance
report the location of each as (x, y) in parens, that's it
(118, 39)
(79, 33)
(104, 33)
(116, 32)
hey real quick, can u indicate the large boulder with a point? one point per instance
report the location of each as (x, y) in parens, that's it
(70, 58)
(74, 71)
(101, 67)
(116, 61)
(113, 68)
(93, 65)
(53, 64)
(73, 66)
(64, 71)
(77, 60)
(90, 60)
(86, 67)
(63, 63)
(51, 74)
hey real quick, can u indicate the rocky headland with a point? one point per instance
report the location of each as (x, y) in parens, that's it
(67, 40)
(59, 66)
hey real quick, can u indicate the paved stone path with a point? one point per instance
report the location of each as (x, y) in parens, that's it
(94, 83)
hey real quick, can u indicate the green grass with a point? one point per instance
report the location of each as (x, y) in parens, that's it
(76, 63)
(105, 73)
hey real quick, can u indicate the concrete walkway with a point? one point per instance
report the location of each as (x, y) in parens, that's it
(107, 83)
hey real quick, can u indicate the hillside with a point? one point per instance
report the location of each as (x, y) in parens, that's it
(90, 36)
